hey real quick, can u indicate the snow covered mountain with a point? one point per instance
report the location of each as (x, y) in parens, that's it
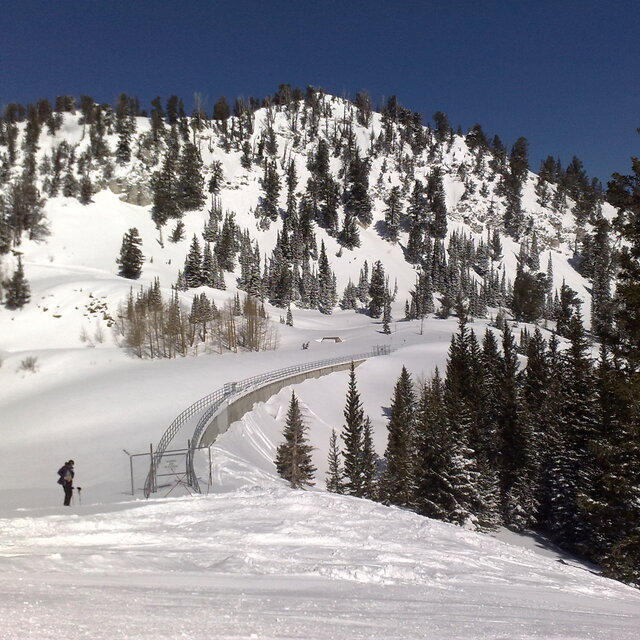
(85, 239)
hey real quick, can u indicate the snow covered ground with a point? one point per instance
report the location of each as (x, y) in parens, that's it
(270, 562)
(253, 558)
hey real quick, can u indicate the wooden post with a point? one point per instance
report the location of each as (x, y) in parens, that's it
(153, 487)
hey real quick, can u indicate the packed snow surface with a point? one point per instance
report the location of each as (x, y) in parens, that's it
(270, 562)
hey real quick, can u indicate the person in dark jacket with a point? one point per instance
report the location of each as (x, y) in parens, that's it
(66, 474)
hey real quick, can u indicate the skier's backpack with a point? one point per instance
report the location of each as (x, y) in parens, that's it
(64, 474)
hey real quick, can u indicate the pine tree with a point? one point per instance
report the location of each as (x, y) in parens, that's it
(334, 474)
(435, 493)
(573, 470)
(357, 200)
(620, 452)
(216, 179)
(164, 188)
(17, 290)
(528, 296)
(177, 233)
(369, 461)
(190, 181)
(516, 464)
(226, 247)
(461, 390)
(292, 200)
(386, 315)
(293, 456)
(193, 274)
(271, 189)
(349, 235)
(353, 437)
(624, 193)
(69, 184)
(125, 126)
(393, 213)
(435, 194)
(131, 258)
(327, 296)
(246, 160)
(397, 482)
(608, 501)
(86, 190)
(377, 290)
(349, 298)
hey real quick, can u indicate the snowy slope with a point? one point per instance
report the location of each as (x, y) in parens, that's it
(275, 563)
(75, 266)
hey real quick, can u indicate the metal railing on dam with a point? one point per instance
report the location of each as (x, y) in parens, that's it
(208, 407)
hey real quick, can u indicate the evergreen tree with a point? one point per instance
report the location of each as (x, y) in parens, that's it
(349, 235)
(221, 111)
(293, 456)
(369, 461)
(601, 299)
(193, 274)
(292, 200)
(418, 206)
(246, 160)
(386, 315)
(164, 188)
(271, 188)
(609, 500)
(86, 190)
(334, 474)
(624, 193)
(125, 126)
(566, 308)
(573, 470)
(377, 290)
(461, 399)
(435, 493)
(190, 181)
(516, 463)
(349, 298)
(226, 247)
(528, 296)
(217, 178)
(70, 184)
(24, 210)
(353, 437)
(393, 213)
(178, 232)
(357, 200)
(435, 193)
(17, 290)
(131, 259)
(397, 485)
(327, 296)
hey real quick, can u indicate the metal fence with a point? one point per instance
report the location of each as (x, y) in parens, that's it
(209, 405)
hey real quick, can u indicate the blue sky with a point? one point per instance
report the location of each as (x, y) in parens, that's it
(564, 74)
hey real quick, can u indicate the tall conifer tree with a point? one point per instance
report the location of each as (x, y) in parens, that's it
(293, 456)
